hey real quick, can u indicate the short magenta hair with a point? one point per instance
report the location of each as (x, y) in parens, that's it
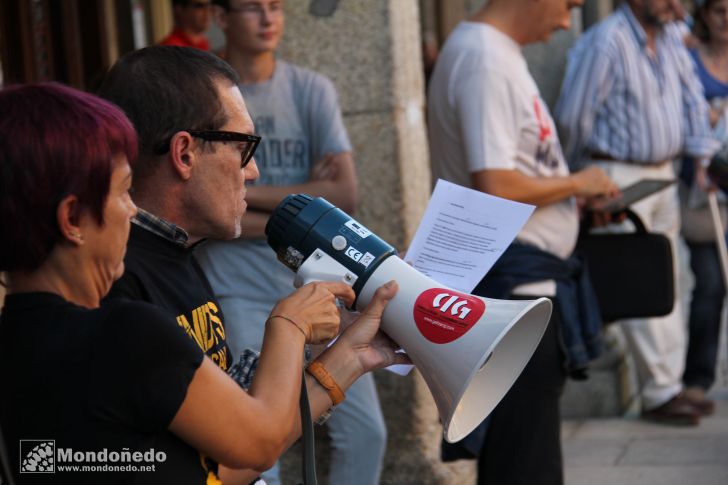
(54, 141)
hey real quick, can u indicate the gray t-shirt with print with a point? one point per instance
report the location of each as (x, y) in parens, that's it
(297, 114)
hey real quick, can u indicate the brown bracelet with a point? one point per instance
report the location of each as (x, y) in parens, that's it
(319, 372)
(295, 323)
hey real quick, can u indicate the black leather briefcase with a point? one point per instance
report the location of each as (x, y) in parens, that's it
(632, 273)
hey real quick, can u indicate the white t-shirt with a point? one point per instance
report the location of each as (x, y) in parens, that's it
(485, 112)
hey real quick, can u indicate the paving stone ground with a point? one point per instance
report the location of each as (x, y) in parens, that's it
(629, 451)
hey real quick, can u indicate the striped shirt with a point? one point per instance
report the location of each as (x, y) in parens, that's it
(162, 228)
(622, 100)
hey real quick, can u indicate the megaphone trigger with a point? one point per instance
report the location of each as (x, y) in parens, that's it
(322, 267)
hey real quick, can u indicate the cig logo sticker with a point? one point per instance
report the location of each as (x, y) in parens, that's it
(37, 456)
(443, 315)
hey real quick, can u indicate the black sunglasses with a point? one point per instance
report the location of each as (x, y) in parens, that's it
(250, 142)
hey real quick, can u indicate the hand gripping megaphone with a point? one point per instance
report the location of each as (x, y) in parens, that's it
(469, 349)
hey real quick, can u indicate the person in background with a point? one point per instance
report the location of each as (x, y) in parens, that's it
(305, 149)
(123, 377)
(711, 55)
(711, 60)
(191, 21)
(631, 103)
(489, 129)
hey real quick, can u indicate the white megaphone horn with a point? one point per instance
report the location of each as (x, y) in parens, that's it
(469, 349)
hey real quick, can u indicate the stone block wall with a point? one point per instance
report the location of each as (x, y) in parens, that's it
(371, 51)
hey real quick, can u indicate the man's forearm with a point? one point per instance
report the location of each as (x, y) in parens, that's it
(333, 178)
(266, 198)
(514, 185)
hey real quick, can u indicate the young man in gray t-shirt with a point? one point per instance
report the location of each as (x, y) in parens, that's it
(304, 148)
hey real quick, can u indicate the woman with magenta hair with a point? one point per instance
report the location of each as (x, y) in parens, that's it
(97, 386)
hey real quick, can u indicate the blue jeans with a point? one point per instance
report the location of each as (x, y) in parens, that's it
(705, 312)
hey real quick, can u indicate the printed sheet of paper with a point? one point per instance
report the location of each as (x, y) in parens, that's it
(463, 233)
(461, 236)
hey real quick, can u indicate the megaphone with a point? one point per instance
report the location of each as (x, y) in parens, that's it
(469, 349)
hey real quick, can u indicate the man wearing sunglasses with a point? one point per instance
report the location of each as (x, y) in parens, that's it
(196, 146)
(191, 21)
(305, 149)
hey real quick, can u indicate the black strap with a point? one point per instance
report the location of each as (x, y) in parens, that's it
(639, 226)
(309, 452)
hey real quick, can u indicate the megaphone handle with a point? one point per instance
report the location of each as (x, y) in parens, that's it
(317, 267)
(322, 267)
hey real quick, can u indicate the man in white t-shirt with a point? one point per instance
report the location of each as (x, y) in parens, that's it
(491, 130)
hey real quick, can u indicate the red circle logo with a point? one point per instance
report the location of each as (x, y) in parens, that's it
(443, 315)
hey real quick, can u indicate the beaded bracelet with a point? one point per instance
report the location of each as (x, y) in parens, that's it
(295, 323)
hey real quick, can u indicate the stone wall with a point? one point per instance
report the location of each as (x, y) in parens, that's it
(371, 51)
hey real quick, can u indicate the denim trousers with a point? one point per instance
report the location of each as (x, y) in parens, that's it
(705, 313)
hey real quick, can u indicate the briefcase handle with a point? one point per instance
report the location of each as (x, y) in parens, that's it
(639, 226)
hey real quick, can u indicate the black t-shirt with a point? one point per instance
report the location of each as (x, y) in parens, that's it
(103, 384)
(168, 276)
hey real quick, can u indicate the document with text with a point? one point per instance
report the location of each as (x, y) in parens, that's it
(463, 233)
(461, 236)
